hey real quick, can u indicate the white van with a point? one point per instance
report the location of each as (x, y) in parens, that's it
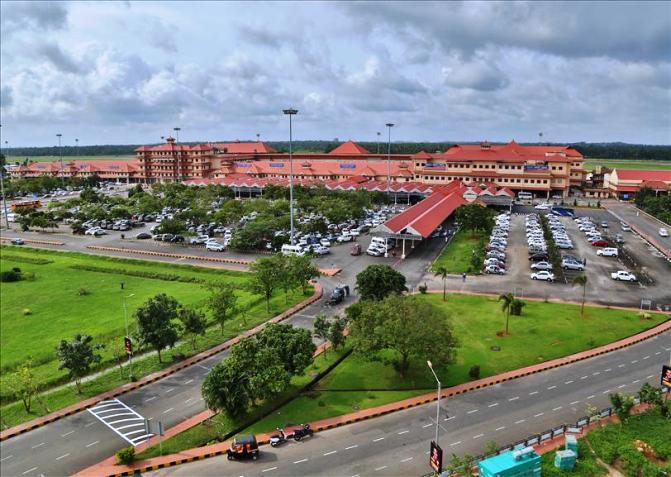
(525, 195)
(292, 250)
(381, 243)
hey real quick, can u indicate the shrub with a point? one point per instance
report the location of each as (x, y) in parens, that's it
(16, 269)
(474, 372)
(422, 289)
(83, 292)
(126, 456)
(516, 307)
(32, 260)
(27, 312)
(10, 276)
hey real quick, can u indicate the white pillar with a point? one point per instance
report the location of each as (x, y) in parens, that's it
(403, 253)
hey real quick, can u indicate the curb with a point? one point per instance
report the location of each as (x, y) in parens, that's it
(650, 240)
(205, 452)
(168, 254)
(77, 407)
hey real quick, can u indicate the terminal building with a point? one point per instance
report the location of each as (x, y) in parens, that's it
(543, 170)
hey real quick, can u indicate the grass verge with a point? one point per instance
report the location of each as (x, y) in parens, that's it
(456, 257)
(627, 164)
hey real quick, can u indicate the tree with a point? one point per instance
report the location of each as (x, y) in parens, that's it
(292, 347)
(301, 271)
(462, 466)
(408, 326)
(77, 356)
(336, 332)
(321, 327)
(226, 387)
(265, 277)
(193, 322)
(156, 322)
(442, 273)
(475, 217)
(516, 307)
(171, 226)
(378, 281)
(222, 302)
(507, 299)
(622, 405)
(266, 376)
(582, 281)
(650, 395)
(23, 385)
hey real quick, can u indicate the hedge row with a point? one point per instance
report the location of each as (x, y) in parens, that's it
(168, 277)
(32, 260)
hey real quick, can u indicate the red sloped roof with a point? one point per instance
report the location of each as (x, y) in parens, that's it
(349, 147)
(639, 175)
(244, 147)
(508, 152)
(660, 185)
(421, 155)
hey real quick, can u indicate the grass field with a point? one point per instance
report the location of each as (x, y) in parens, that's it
(58, 311)
(627, 164)
(13, 159)
(456, 257)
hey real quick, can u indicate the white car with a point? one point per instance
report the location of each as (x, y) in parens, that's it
(214, 247)
(325, 242)
(543, 275)
(321, 250)
(542, 207)
(663, 232)
(607, 252)
(623, 275)
(375, 251)
(345, 238)
(625, 227)
(201, 239)
(541, 266)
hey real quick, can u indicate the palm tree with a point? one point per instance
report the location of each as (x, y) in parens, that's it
(442, 273)
(508, 299)
(581, 280)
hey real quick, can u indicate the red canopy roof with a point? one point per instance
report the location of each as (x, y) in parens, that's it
(639, 175)
(349, 147)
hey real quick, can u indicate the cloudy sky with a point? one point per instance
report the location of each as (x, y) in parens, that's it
(119, 73)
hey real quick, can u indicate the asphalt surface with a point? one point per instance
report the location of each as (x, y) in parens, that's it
(78, 441)
(630, 214)
(397, 444)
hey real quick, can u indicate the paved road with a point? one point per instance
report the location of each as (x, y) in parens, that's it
(397, 444)
(81, 440)
(630, 214)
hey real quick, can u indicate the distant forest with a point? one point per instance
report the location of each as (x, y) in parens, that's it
(589, 150)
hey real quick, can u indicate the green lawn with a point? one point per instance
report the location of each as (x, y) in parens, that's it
(544, 331)
(13, 159)
(456, 257)
(58, 311)
(627, 164)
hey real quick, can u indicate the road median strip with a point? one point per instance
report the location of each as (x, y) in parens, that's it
(169, 254)
(108, 467)
(37, 241)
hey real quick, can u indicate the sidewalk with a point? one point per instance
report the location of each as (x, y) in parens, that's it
(107, 467)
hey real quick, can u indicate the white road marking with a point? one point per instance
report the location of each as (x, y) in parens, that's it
(378, 439)
(407, 459)
(533, 392)
(128, 416)
(269, 469)
(455, 443)
(591, 396)
(126, 420)
(188, 400)
(609, 369)
(403, 432)
(67, 433)
(634, 361)
(169, 390)
(492, 405)
(539, 414)
(204, 367)
(621, 386)
(106, 404)
(448, 418)
(596, 373)
(500, 428)
(38, 445)
(478, 436)
(427, 425)
(557, 408)
(351, 447)
(29, 470)
(168, 410)
(92, 443)
(5, 458)
(89, 424)
(300, 461)
(584, 377)
(380, 468)
(514, 398)
(606, 391)
(574, 402)
(472, 411)
(189, 381)
(620, 365)
(150, 399)
(329, 453)
(568, 382)
(63, 456)
(520, 421)
(651, 376)
(658, 352)
(550, 388)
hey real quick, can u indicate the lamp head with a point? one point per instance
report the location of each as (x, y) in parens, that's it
(429, 363)
(290, 111)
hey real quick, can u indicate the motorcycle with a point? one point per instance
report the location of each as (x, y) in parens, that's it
(300, 433)
(278, 439)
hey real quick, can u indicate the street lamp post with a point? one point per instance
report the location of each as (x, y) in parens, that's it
(378, 142)
(389, 126)
(76, 147)
(125, 318)
(60, 153)
(2, 187)
(291, 112)
(438, 401)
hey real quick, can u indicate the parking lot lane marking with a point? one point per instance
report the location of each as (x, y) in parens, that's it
(269, 469)
(649, 377)
(520, 421)
(427, 425)
(596, 373)
(38, 445)
(403, 432)
(568, 382)
(168, 410)
(646, 357)
(609, 369)
(634, 361)
(591, 396)
(478, 436)
(67, 434)
(557, 408)
(455, 443)
(621, 365)
(329, 453)
(29, 470)
(539, 414)
(584, 377)
(500, 428)
(300, 461)
(621, 386)
(533, 392)
(63, 456)
(351, 447)
(377, 469)
(492, 405)
(188, 400)
(658, 352)
(574, 402)
(472, 411)
(92, 443)
(169, 390)
(378, 439)
(189, 381)
(448, 418)
(5, 458)
(606, 391)
(89, 424)
(150, 399)
(514, 398)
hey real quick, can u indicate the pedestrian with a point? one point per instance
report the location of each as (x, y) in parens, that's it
(463, 277)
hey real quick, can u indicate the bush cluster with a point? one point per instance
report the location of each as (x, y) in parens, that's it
(31, 260)
(168, 277)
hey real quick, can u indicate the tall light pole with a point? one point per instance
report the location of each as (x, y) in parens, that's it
(258, 137)
(125, 318)
(438, 401)
(378, 142)
(60, 153)
(2, 185)
(177, 130)
(389, 126)
(290, 112)
(178, 157)
(76, 147)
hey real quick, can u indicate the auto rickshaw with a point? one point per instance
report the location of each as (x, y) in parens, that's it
(355, 250)
(243, 447)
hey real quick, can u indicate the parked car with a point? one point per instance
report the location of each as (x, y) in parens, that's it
(321, 250)
(541, 266)
(201, 239)
(375, 251)
(607, 252)
(143, 236)
(543, 275)
(345, 238)
(572, 265)
(600, 243)
(663, 232)
(494, 270)
(538, 256)
(623, 275)
(604, 225)
(214, 247)
(17, 241)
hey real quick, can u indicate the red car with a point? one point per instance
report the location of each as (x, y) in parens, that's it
(600, 243)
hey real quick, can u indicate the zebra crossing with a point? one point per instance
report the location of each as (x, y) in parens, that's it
(124, 421)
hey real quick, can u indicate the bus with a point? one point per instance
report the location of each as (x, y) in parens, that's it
(28, 204)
